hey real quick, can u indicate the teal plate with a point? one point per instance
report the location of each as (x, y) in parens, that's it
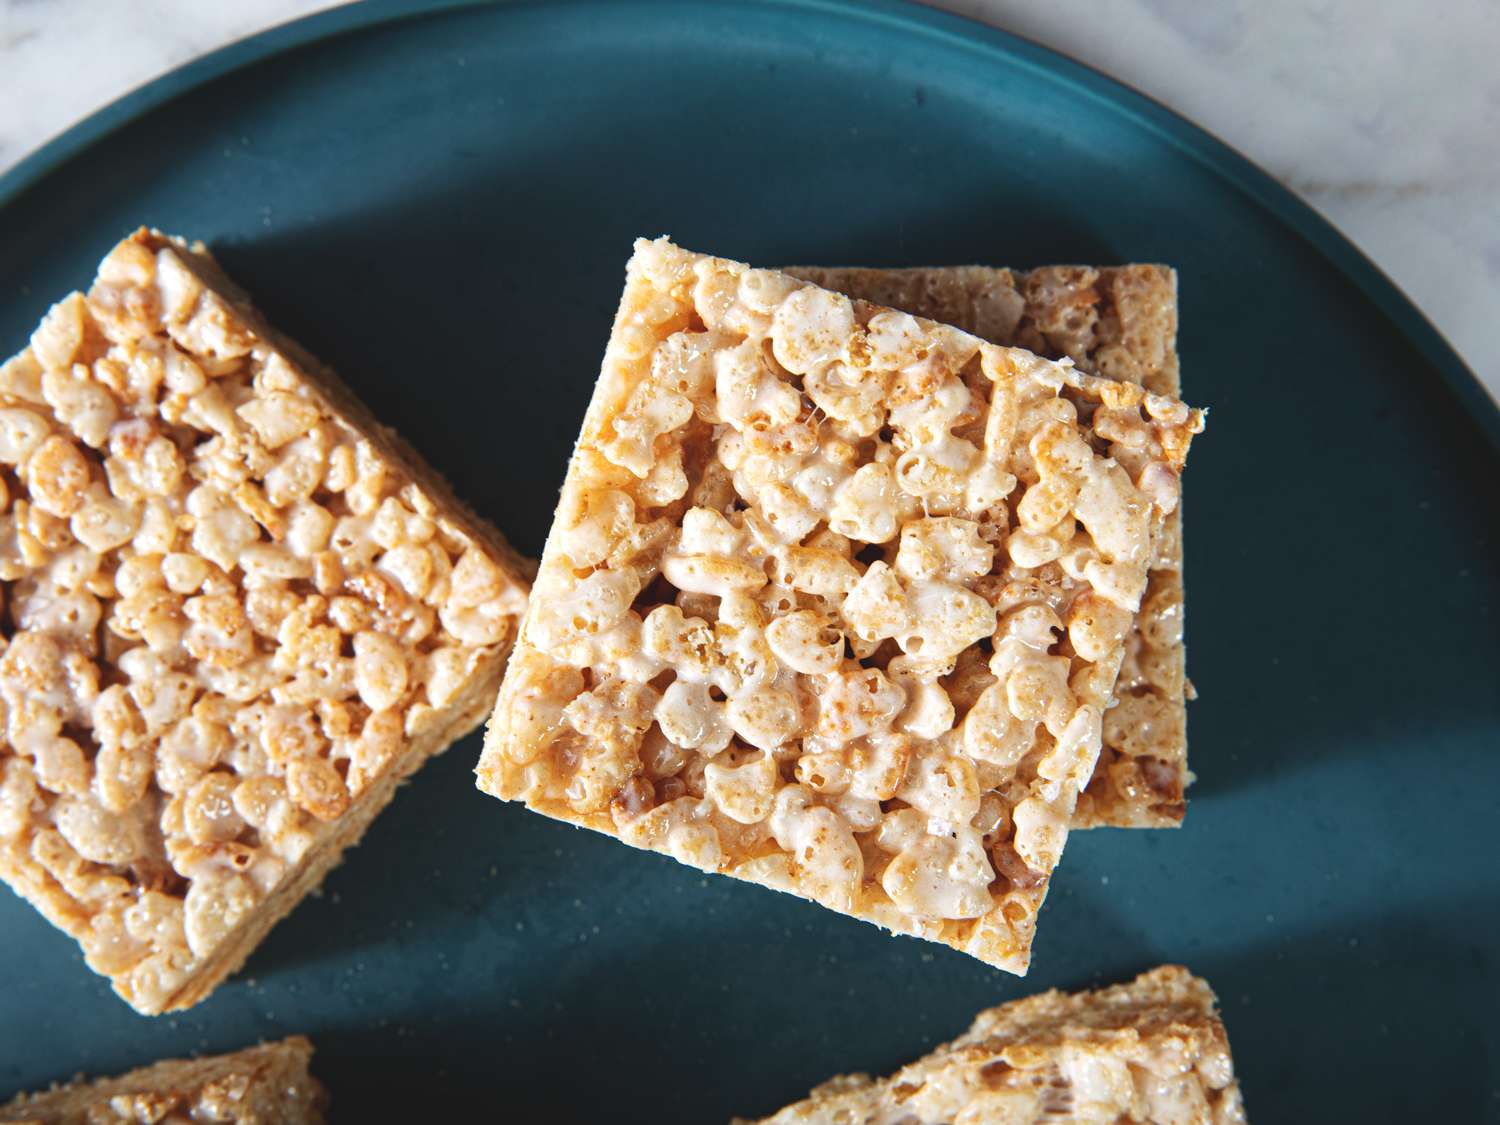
(440, 202)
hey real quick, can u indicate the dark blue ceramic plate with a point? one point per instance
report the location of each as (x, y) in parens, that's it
(440, 200)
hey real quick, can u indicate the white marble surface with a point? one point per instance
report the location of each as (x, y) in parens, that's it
(1384, 114)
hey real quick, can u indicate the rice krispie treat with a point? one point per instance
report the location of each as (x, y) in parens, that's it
(1151, 1052)
(238, 612)
(265, 1085)
(1119, 322)
(835, 599)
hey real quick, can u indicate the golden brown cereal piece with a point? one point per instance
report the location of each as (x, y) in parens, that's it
(239, 612)
(1153, 1051)
(1119, 322)
(790, 516)
(264, 1085)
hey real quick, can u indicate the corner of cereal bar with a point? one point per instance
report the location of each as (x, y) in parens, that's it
(269, 1083)
(1154, 1049)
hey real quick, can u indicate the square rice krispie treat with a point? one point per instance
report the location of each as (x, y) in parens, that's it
(1119, 322)
(265, 1085)
(1153, 1051)
(835, 599)
(238, 611)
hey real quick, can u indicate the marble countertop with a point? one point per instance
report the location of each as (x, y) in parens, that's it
(1386, 117)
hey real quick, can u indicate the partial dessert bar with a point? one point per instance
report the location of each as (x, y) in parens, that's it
(1152, 1052)
(239, 612)
(835, 599)
(264, 1085)
(1119, 322)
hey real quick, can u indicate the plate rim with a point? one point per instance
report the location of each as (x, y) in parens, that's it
(994, 46)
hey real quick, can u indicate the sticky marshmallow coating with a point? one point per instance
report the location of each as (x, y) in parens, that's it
(236, 613)
(793, 527)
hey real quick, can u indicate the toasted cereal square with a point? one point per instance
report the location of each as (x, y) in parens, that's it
(238, 612)
(1119, 322)
(834, 600)
(264, 1085)
(1151, 1051)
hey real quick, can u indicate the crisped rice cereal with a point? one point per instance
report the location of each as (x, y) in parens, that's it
(264, 1085)
(1119, 322)
(1153, 1051)
(238, 611)
(835, 599)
